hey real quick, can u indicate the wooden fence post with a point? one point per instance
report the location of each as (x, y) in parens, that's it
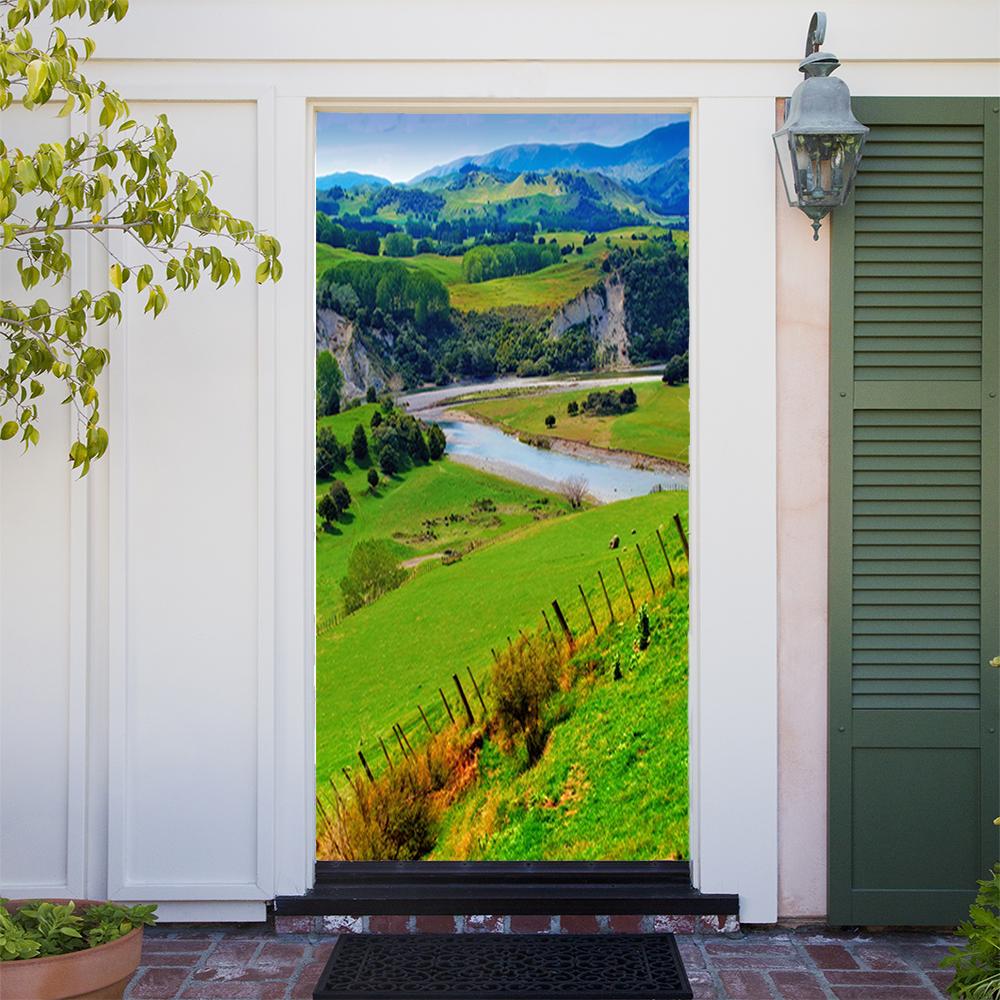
(479, 694)
(447, 707)
(496, 659)
(399, 740)
(593, 624)
(465, 701)
(426, 720)
(628, 589)
(607, 600)
(652, 589)
(368, 770)
(561, 618)
(406, 739)
(551, 634)
(385, 750)
(684, 538)
(663, 549)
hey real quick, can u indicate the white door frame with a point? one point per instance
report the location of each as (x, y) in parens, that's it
(733, 637)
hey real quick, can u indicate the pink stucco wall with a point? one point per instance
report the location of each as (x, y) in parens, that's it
(803, 340)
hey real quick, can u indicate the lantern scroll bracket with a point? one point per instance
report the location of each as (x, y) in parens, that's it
(817, 33)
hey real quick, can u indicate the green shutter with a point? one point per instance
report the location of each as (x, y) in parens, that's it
(914, 512)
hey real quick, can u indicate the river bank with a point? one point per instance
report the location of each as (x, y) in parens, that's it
(620, 457)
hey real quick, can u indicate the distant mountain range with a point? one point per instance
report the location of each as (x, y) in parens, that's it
(348, 179)
(631, 161)
(579, 185)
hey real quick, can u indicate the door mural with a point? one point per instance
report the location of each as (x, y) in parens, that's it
(501, 477)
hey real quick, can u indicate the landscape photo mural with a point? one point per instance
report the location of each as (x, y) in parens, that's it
(501, 478)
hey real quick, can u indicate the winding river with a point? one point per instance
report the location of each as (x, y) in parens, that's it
(608, 478)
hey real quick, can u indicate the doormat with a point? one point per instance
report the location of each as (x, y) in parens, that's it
(504, 967)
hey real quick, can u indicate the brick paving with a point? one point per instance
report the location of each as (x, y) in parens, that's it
(255, 962)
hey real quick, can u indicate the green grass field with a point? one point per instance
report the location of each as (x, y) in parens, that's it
(400, 506)
(658, 426)
(612, 784)
(548, 288)
(380, 663)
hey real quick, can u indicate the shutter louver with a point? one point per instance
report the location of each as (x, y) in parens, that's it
(914, 516)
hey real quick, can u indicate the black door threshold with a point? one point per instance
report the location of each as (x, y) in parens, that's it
(447, 887)
(507, 967)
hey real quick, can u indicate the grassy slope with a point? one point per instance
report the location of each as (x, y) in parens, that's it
(403, 502)
(380, 663)
(658, 426)
(613, 781)
(549, 287)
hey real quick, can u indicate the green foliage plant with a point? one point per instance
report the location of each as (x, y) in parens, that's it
(41, 929)
(330, 453)
(372, 570)
(119, 178)
(977, 962)
(359, 443)
(329, 383)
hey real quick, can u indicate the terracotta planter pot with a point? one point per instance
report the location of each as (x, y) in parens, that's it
(100, 973)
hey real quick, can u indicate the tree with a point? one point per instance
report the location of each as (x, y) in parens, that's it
(436, 442)
(376, 419)
(574, 490)
(627, 396)
(388, 461)
(330, 453)
(550, 421)
(340, 495)
(329, 382)
(572, 407)
(676, 370)
(326, 507)
(359, 443)
(370, 394)
(372, 570)
(398, 245)
(120, 179)
(372, 479)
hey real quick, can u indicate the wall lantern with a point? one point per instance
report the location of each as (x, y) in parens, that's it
(819, 146)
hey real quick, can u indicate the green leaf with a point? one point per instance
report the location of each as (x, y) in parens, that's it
(8, 430)
(37, 74)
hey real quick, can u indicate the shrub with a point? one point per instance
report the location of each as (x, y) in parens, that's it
(326, 507)
(436, 442)
(550, 421)
(359, 443)
(520, 684)
(370, 394)
(572, 407)
(574, 490)
(395, 817)
(627, 396)
(329, 383)
(977, 962)
(373, 479)
(389, 461)
(372, 570)
(40, 929)
(330, 453)
(676, 370)
(642, 629)
(398, 245)
(376, 419)
(341, 495)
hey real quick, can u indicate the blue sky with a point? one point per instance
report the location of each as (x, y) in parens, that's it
(401, 146)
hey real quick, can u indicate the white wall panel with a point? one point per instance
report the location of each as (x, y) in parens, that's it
(191, 745)
(43, 594)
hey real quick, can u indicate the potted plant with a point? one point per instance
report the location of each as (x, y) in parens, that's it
(69, 949)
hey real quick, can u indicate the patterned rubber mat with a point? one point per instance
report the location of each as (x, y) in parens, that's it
(504, 967)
